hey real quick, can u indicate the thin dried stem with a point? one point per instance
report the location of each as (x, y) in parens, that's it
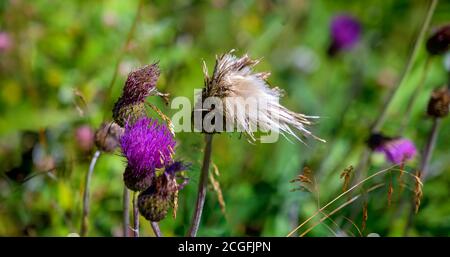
(87, 183)
(429, 147)
(135, 215)
(346, 192)
(126, 210)
(202, 186)
(339, 208)
(156, 229)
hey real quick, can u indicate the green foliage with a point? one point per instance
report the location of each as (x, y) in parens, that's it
(56, 76)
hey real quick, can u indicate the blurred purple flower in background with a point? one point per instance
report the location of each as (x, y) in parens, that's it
(439, 42)
(396, 150)
(5, 41)
(84, 136)
(345, 32)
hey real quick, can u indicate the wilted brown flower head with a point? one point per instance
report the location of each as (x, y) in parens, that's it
(438, 105)
(107, 136)
(140, 84)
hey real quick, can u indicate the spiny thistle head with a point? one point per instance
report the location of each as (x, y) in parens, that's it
(147, 146)
(234, 82)
(439, 42)
(438, 105)
(123, 113)
(107, 136)
(154, 203)
(396, 150)
(139, 85)
(345, 33)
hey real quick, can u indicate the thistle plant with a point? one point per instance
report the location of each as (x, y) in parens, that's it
(140, 84)
(233, 82)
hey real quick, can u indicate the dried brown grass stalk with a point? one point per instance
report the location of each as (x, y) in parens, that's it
(162, 116)
(216, 186)
(365, 216)
(390, 192)
(348, 202)
(346, 175)
(350, 190)
(417, 192)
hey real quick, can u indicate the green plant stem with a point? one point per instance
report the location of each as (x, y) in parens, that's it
(87, 183)
(156, 229)
(135, 215)
(414, 96)
(202, 186)
(126, 210)
(429, 148)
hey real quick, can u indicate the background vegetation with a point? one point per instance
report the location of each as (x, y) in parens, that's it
(55, 75)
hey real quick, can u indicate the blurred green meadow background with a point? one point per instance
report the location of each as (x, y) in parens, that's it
(60, 59)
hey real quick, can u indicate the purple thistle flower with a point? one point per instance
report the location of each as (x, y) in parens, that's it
(147, 146)
(397, 150)
(345, 33)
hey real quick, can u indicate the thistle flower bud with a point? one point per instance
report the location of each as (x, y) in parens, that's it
(137, 181)
(438, 105)
(139, 85)
(154, 203)
(439, 42)
(147, 146)
(130, 113)
(107, 136)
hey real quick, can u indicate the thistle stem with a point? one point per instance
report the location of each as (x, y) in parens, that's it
(85, 217)
(156, 229)
(126, 210)
(135, 215)
(202, 186)
(429, 147)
